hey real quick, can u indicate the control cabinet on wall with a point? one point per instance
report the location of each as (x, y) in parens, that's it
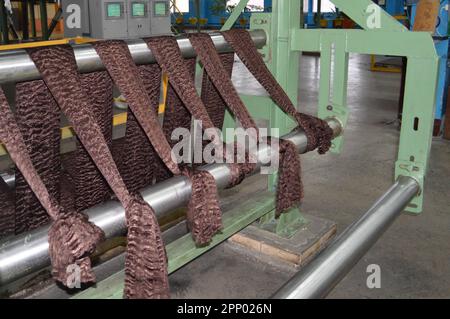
(116, 19)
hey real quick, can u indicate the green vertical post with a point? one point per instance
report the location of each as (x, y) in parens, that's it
(333, 90)
(325, 75)
(417, 123)
(285, 62)
(339, 108)
(44, 26)
(285, 67)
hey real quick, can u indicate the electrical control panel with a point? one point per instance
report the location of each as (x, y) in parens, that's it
(116, 19)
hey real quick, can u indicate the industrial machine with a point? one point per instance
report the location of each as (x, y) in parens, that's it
(107, 19)
(441, 41)
(214, 14)
(281, 41)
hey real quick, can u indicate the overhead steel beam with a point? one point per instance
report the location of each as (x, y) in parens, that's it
(28, 253)
(16, 65)
(320, 276)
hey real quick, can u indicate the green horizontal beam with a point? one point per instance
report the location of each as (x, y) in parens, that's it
(410, 44)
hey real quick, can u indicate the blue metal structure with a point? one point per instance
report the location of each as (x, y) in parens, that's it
(217, 19)
(311, 19)
(393, 7)
(441, 41)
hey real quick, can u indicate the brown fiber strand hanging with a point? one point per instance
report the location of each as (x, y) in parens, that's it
(7, 210)
(71, 237)
(38, 118)
(89, 185)
(204, 212)
(175, 116)
(138, 153)
(224, 91)
(211, 97)
(146, 261)
(168, 55)
(118, 61)
(318, 133)
(203, 209)
(212, 100)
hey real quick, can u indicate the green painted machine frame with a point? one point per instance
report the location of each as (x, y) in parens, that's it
(380, 34)
(286, 41)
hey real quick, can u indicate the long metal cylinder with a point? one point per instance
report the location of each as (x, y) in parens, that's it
(27, 253)
(16, 65)
(320, 276)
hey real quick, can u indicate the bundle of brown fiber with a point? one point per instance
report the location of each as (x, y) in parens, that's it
(71, 237)
(204, 215)
(38, 118)
(146, 264)
(319, 134)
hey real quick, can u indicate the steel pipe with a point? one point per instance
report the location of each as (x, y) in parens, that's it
(16, 65)
(28, 253)
(320, 276)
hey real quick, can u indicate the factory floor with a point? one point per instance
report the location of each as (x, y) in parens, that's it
(414, 254)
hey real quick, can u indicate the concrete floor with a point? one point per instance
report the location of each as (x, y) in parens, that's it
(413, 255)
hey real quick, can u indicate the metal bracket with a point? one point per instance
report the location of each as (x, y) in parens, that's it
(414, 170)
(333, 83)
(286, 226)
(262, 21)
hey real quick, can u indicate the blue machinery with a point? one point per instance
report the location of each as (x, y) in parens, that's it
(211, 17)
(441, 41)
(315, 18)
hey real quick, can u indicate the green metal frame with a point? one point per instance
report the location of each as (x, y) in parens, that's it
(392, 38)
(286, 41)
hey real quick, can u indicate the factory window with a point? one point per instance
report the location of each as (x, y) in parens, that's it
(180, 6)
